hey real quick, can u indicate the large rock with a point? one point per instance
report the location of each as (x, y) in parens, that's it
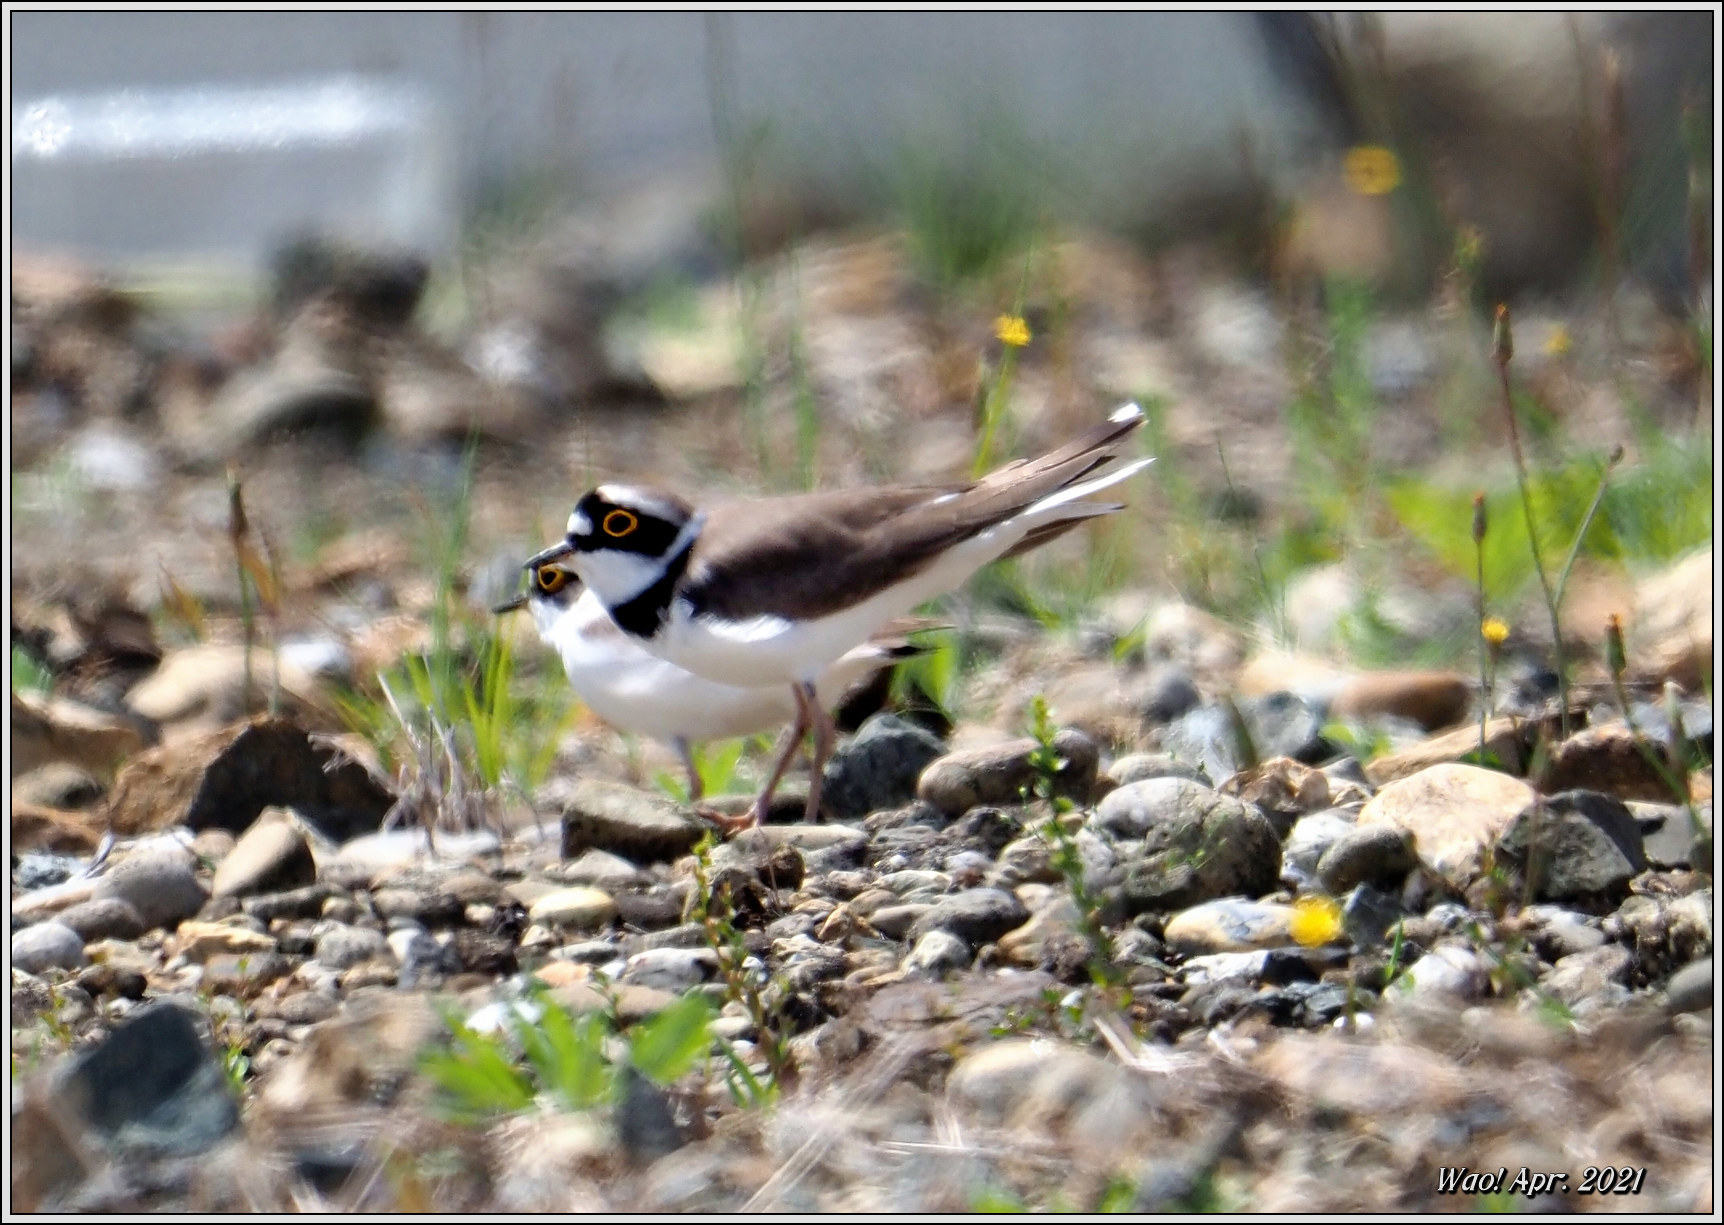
(1575, 846)
(1003, 774)
(1211, 846)
(1670, 836)
(153, 1087)
(272, 856)
(225, 779)
(1309, 840)
(1374, 854)
(1454, 814)
(877, 767)
(641, 828)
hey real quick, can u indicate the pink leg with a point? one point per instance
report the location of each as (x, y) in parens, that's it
(792, 742)
(825, 736)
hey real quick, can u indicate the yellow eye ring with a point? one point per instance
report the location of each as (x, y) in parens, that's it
(620, 523)
(550, 579)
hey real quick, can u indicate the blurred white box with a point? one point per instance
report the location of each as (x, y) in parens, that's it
(222, 174)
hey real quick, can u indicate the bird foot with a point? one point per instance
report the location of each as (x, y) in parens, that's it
(730, 823)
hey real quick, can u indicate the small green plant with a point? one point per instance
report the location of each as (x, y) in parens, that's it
(717, 765)
(712, 910)
(1047, 765)
(29, 675)
(545, 1052)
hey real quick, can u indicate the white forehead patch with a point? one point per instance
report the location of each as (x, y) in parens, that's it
(579, 524)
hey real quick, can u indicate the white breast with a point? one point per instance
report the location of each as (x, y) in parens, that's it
(634, 690)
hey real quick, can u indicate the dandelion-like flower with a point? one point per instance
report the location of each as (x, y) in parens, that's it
(1012, 330)
(1494, 630)
(1558, 342)
(1372, 170)
(1316, 920)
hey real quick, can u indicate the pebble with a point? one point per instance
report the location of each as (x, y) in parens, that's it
(1003, 774)
(1447, 971)
(47, 946)
(895, 921)
(1229, 925)
(877, 767)
(160, 886)
(102, 919)
(1581, 976)
(671, 969)
(632, 824)
(1279, 724)
(937, 952)
(343, 946)
(1575, 845)
(1453, 812)
(1369, 854)
(600, 869)
(581, 907)
(1690, 988)
(1140, 767)
(272, 856)
(1214, 846)
(978, 916)
(1308, 840)
(199, 941)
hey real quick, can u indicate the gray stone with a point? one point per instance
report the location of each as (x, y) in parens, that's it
(342, 946)
(271, 856)
(1212, 969)
(307, 1007)
(1277, 725)
(159, 885)
(975, 915)
(47, 946)
(1167, 693)
(1575, 845)
(600, 868)
(102, 919)
(895, 922)
(153, 1086)
(1448, 971)
(671, 969)
(1690, 988)
(40, 869)
(639, 827)
(877, 767)
(428, 906)
(580, 907)
(1581, 976)
(1560, 933)
(1368, 916)
(1213, 846)
(1668, 834)
(589, 952)
(937, 952)
(1372, 854)
(1003, 773)
(1308, 841)
(1138, 767)
(306, 903)
(1132, 810)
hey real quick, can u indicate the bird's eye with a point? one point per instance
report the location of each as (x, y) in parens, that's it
(620, 523)
(551, 579)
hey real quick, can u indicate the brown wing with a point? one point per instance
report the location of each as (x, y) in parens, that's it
(809, 556)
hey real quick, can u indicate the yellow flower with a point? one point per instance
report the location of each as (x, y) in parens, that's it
(1012, 330)
(1316, 920)
(1558, 342)
(1372, 170)
(1495, 631)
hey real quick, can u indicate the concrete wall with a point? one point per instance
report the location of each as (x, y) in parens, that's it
(1120, 107)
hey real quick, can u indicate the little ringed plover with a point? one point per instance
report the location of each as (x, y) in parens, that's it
(775, 590)
(635, 691)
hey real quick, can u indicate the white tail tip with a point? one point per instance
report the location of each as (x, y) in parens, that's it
(1130, 412)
